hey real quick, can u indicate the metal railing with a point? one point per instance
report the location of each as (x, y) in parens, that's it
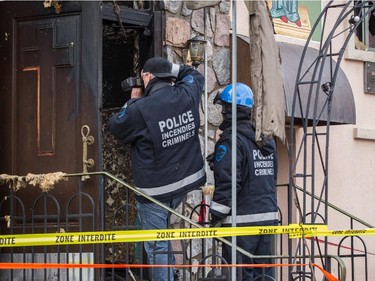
(130, 252)
(340, 246)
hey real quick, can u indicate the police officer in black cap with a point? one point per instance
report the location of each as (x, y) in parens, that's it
(161, 124)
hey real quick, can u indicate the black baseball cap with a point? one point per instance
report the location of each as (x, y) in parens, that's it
(159, 67)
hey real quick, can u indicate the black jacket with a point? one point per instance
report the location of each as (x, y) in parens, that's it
(256, 178)
(162, 128)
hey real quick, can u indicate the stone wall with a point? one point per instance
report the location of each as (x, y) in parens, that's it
(184, 20)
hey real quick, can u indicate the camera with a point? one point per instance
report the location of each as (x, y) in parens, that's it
(131, 82)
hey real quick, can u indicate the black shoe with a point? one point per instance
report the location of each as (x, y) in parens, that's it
(176, 274)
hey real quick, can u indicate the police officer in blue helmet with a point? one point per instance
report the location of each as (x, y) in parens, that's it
(255, 184)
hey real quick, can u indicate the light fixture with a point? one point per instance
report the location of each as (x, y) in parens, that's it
(196, 47)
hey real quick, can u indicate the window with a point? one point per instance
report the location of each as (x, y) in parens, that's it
(365, 33)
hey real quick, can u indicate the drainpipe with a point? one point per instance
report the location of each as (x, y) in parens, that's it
(234, 133)
(205, 96)
(205, 110)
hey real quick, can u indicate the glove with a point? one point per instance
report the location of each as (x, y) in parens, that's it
(175, 70)
(215, 221)
(210, 161)
(263, 140)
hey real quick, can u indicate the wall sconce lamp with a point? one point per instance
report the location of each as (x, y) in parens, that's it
(194, 53)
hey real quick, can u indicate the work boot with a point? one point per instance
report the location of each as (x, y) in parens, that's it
(177, 275)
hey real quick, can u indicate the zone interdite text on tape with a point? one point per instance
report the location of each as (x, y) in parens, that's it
(55, 239)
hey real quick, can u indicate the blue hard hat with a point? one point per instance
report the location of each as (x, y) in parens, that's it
(244, 95)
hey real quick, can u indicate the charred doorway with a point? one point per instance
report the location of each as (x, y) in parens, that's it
(129, 39)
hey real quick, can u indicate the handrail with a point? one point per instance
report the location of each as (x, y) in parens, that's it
(242, 251)
(136, 191)
(332, 206)
(341, 266)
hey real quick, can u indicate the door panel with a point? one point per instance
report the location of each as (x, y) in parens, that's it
(47, 96)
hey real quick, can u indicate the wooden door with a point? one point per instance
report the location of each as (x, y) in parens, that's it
(49, 89)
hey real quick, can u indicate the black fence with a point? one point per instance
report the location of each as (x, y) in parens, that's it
(196, 259)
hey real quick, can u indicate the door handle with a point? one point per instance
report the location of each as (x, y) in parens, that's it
(86, 140)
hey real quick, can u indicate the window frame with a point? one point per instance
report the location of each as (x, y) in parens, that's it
(357, 54)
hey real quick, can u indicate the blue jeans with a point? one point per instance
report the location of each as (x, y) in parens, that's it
(153, 216)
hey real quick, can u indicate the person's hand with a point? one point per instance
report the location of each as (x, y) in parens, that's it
(217, 134)
(136, 93)
(264, 140)
(210, 160)
(215, 221)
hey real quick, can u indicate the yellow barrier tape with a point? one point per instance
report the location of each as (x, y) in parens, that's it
(56, 239)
